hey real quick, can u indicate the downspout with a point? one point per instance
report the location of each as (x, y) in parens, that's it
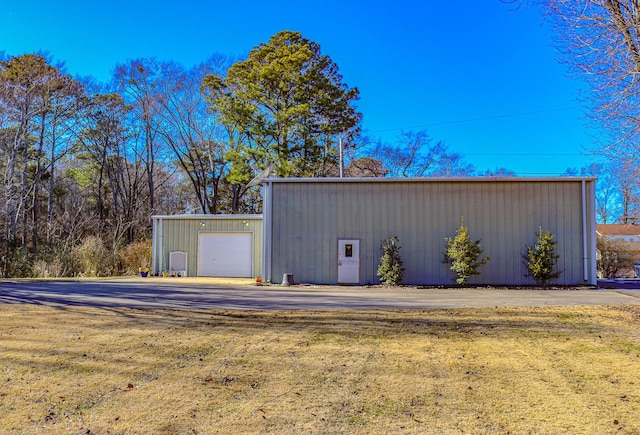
(266, 231)
(585, 251)
(161, 245)
(154, 245)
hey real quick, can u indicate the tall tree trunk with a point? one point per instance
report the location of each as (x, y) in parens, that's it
(235, 204)
(10, 195)
(99, 205)
(11, 191)
(213, 202)
(51, 191)
(24, 196)
(150, 165)
(36, 187)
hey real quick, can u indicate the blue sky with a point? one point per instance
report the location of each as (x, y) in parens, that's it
(475, 74)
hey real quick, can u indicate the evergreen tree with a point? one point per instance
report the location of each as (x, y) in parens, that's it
(464, 254)
(541, 259)
(390, 269)
(285, 105)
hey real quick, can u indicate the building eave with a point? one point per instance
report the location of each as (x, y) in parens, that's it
(208, 216)
(425, 179)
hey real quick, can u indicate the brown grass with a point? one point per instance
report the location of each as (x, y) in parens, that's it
(482, 371)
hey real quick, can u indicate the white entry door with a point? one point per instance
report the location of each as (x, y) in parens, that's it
(348, 261)
(225, 254)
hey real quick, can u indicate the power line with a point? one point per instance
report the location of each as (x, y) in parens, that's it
(485, 118)
(483, 172)
(525, 154)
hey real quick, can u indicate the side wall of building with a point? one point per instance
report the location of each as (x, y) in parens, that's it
(306, 219)
(181, 233)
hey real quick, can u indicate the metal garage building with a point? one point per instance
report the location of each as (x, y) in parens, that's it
(207, 245)
(329, 230)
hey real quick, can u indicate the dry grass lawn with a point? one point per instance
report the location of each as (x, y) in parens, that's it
(481, 371)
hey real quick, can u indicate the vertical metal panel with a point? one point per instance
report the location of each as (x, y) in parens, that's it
(309, 218)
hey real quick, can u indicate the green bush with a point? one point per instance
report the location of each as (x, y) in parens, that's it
(390, 269)
(463, 254)
(541, 259)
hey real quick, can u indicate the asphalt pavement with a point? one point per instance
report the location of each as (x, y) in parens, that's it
(243, 294)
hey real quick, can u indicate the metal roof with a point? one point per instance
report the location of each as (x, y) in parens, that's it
(422, 179)
(618, 229)
(208, 216)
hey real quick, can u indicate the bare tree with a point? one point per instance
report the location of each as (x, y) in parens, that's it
(609, 198)
(191, 129)
(416, 155)
(600, 41)
(36, 99)
(365, 167)
(613, 256)
(21, 82)
(628, 182)
(499, 172)
(61, 103)
(139, 82)
(119, 172)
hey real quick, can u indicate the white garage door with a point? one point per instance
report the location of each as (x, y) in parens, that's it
(225, 254)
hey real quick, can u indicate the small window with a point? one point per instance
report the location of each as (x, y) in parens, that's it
(348, 250)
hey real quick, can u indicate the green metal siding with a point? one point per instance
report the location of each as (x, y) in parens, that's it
(309, 217)
(180, 233)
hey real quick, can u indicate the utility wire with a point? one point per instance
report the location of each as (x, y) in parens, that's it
(484, 118)
(526, 154)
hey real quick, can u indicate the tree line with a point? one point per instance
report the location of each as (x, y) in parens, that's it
(85, 164)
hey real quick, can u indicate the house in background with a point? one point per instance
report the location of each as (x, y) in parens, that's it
(620, 232)
(627, 233)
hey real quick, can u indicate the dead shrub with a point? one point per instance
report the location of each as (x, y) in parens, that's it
(135, 255)
(93, 258)
(55, 262)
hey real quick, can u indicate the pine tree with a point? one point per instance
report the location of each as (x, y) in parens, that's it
(390, 269)
(464, 254)
(541, 259)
